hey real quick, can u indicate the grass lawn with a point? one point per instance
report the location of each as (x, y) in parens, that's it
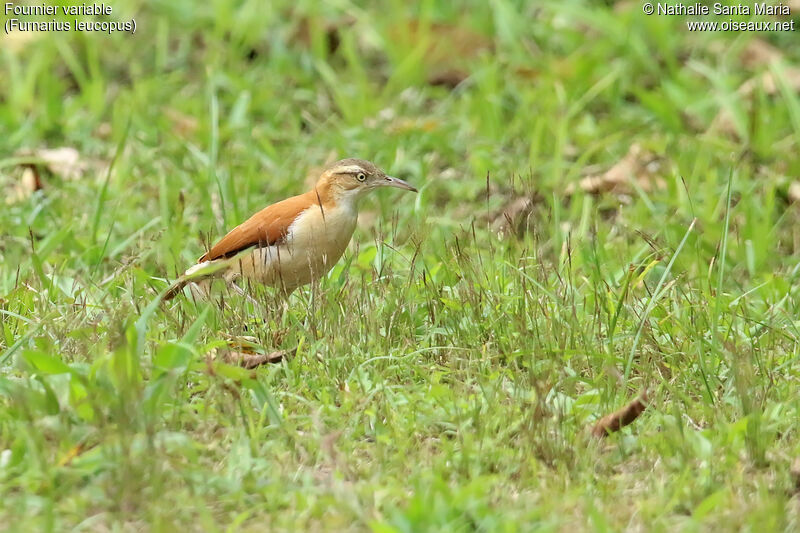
(606, 207)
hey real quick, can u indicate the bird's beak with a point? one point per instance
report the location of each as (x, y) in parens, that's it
(389, 181)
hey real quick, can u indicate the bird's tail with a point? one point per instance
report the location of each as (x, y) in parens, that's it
(175, 288)
(197, 273)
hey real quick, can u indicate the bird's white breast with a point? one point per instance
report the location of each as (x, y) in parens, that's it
(314, 243)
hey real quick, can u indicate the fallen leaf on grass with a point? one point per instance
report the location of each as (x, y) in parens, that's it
(638, 164)
(64, 162)
(619, 419)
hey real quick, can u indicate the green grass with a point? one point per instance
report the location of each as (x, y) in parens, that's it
(446, 375)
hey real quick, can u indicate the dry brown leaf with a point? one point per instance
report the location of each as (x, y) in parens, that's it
(619, 419)
(64, 162)
(638, 164)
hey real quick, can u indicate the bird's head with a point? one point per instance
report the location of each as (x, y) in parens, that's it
(351, 179)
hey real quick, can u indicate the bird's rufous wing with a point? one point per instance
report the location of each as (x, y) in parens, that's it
(267, 227)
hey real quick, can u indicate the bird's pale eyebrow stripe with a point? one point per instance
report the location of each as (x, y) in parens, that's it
(347, 169)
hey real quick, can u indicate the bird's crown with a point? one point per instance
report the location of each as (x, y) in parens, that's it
(352, 166)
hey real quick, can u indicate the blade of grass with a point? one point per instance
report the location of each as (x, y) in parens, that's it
(101, 198)
(653, 300)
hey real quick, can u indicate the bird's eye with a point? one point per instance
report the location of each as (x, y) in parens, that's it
(361, 176)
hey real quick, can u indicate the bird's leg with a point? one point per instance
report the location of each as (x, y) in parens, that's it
(283, 307)
(201, 289)
(244, 293)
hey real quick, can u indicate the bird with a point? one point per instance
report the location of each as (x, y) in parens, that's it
(295, 241)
